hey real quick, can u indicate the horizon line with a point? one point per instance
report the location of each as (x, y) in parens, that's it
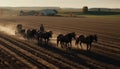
(57, 7)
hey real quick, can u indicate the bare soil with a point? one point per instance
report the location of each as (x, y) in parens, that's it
(19, 53)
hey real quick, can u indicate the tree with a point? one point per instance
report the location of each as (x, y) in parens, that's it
(21, 13)
(85, 9)
(55, 11)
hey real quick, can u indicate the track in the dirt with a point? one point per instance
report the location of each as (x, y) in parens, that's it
(104, 39)
(62, 64)
(23, 55)
(8, 61)
(77, 60)
(105, 54)
(107, 46)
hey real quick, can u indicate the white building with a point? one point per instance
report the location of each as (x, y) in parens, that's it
(48, 12)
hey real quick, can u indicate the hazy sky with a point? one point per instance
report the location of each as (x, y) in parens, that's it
(62, 3)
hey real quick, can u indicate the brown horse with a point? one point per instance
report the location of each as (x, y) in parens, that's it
(44, 36)
(86, 40)
(65, 39)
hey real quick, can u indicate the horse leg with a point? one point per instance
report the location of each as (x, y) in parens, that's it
(90, 46)
(70, 45)
(41, 41)
(76, 45)
(57, 42)
(81, 44)
(67, 45)
(61, 43)
(46, 41)
(87, 46)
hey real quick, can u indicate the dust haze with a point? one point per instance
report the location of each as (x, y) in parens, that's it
(8, 29)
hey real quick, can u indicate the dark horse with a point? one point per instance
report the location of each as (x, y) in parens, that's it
(19, 29)
(44, 36)
(87, 40)
(65, 39)
(31, 34)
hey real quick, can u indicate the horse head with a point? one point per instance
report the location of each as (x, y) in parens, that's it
(60, 35)
(73, 35)
(93, 38)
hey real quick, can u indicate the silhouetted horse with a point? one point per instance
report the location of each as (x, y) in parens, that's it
(28, 34)
(87, 40)
(19, 29)
(59, 39)
(31, 34)
(44, 36)
(22, 32)
(65, 39)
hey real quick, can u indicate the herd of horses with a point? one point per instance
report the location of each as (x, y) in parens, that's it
(65, 40)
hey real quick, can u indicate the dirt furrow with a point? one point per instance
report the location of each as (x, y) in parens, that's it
(50, 58)
(73, 58)
(100, 56)
(54, 55)
(107, 47)
(103, 36)
(83, 30)
(35, 60)
(42, 55)
(9, 60)
(110, 41)
(109, 44)
(96, 63)
(112, 62)
(93, 63)
(109, 53)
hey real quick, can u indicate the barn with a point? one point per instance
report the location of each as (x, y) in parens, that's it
(48, 12)
(29, 13)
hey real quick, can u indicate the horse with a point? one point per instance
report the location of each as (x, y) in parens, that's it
(86, 40)
(33, 33)
(44, 36)
(28, 34)
(19, 29)
(66, 39)
(22, 32)
(59, 39)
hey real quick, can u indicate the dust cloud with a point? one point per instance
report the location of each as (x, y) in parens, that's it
(8, 29)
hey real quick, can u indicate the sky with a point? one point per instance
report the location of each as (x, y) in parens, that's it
(61, 3)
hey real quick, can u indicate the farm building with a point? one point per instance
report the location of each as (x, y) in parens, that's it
(45, 12)
(99, 9)
(30, 13)
(48, 12)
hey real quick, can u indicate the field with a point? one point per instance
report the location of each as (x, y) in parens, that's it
(19, 53)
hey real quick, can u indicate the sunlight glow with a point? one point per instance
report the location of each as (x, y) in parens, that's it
(61, 3)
